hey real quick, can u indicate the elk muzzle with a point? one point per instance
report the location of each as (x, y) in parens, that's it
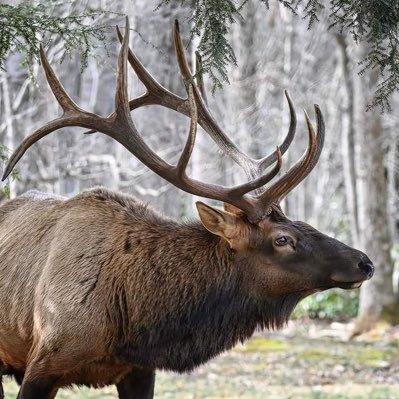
(354, 275)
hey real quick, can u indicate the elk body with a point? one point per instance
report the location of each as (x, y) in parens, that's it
(100, 289)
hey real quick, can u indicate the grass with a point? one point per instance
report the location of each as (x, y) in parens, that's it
(273, 392)
(278, 367)
(263, 345)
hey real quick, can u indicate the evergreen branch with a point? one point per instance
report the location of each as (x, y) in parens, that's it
(311, 10)
(211, 22)
(24, 26)
(375, 22)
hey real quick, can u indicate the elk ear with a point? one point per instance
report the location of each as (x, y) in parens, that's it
(223, 224)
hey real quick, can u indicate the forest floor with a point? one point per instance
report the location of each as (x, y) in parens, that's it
(307, 360)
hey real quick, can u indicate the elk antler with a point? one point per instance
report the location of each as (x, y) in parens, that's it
(158, 95)
(120, 126)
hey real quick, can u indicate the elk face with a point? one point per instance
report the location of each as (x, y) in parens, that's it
(282, 257)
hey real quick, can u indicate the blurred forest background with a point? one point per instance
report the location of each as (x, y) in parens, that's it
(352, 193)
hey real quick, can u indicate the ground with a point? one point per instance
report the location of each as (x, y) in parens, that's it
(306, 360)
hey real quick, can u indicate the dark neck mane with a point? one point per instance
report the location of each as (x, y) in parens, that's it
(210, 311)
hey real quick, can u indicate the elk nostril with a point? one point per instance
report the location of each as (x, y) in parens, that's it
(367, 268)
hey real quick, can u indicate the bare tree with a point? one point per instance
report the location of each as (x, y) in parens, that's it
(377, 299)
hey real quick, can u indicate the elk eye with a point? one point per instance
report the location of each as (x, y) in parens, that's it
(281, 241)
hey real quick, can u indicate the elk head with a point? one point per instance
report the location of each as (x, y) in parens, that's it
(286, 256)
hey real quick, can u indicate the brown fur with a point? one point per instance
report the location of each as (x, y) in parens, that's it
(95, 286)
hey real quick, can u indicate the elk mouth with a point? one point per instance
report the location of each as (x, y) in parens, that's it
(345, 285)
(348, 285)
(347, 282)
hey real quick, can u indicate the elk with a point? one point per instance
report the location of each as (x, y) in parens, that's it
(101, 289)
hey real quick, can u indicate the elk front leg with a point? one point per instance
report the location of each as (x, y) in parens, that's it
(139, 384)
(38, 381)
(42, 388)
(17, 375)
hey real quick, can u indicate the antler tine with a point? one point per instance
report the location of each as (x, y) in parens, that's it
(253, 168)
(121, 95)
(188, 148)
(181, 55)
(321, 132)
(120, 124)
(199, 77)
(206, 120)
(302, 168)
(155, 94)
(270, 159)
(142, 73)
(66, 103)
(293, 176)
(316, 153)
(260, 181)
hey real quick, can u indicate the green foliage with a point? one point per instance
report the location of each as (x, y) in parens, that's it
(312, 10)
(376, 393)
(377, 24)
(211, 22)
(373, 22)
(24, 26)
(286, 3)
(331, 304)
(256, 345)
(4, 156)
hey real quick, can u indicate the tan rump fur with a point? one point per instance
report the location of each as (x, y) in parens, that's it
(56, 256)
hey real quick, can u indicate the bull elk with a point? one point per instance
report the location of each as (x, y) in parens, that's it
(100, 289)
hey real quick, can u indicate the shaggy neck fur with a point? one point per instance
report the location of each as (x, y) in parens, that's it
(203, 311)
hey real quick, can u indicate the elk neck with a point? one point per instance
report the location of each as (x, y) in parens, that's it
(183, 298)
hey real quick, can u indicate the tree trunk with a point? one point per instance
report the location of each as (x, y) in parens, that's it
(9, 120)
(377, 299)
(348, 140)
